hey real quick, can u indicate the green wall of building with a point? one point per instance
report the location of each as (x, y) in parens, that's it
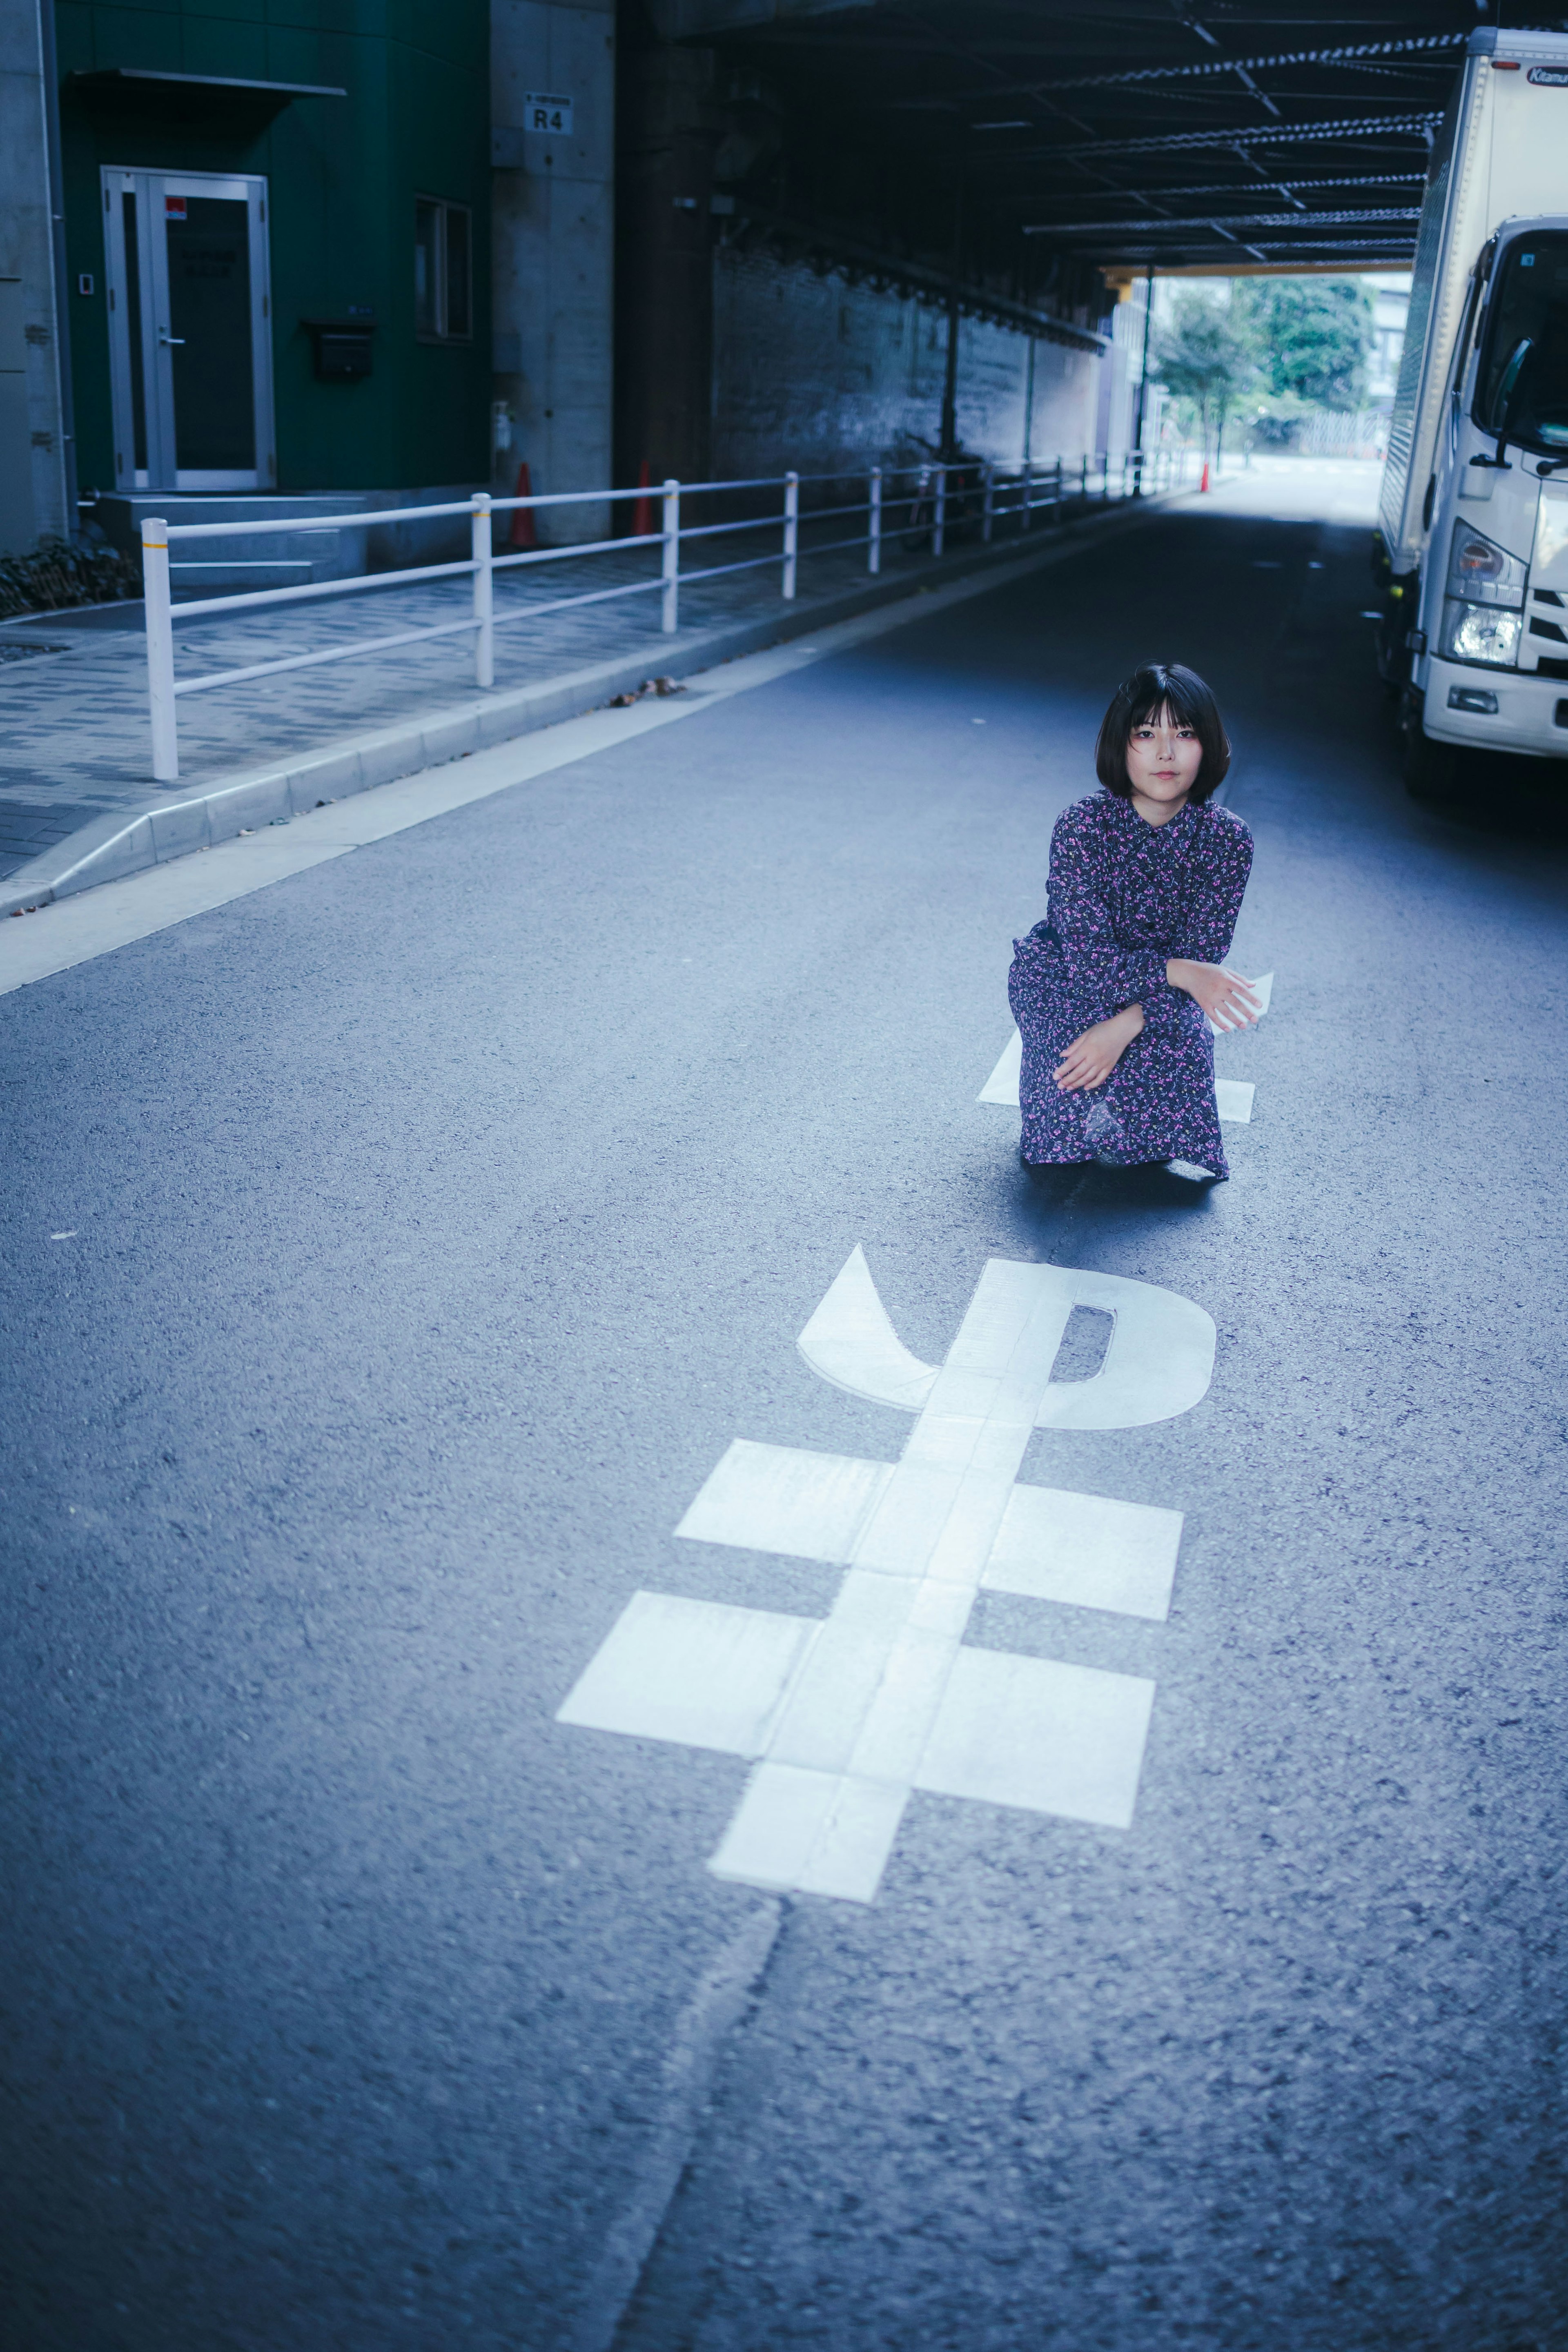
(343, 176)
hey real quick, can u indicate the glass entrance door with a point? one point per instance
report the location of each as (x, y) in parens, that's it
(189, 330)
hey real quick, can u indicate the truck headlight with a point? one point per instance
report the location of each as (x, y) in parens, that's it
(1482, 571)
(1480, 633)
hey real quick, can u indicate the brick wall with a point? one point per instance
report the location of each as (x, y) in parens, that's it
(811, 372)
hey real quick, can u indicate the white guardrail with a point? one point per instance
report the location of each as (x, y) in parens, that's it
(939, 500)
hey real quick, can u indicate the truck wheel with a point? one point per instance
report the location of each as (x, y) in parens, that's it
(1431, 769)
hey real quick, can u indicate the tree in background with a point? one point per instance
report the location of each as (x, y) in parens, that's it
(1270, 349)
(1310, 338)
(1202, 352)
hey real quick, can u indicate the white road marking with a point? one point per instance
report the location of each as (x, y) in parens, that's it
(78, 930)
(1085, 1551)
(1235, 1094)
(1034, 1732)
(1002, 1086)
(778, 1498)
(75, 930)
(851, 1343)
(884, 1699)
(692, 1671)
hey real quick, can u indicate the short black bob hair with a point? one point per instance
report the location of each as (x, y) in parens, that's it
(1152, 688)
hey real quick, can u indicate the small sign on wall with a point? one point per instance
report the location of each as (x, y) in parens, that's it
(545, 111)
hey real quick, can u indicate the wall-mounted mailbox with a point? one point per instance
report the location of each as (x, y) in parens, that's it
(342, 346)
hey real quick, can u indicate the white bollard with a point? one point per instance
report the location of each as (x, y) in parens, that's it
(484, 593)
(159, 630)
(939, 512)
(791, 530)
(670, 617)
(874, 536)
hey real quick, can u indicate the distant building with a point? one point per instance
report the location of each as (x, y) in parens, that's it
(260, 262)
(271, 270)
(1390, 309)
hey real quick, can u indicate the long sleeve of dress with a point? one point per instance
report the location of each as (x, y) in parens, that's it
(1210, 915)
(1211, 904)
(1098, 976)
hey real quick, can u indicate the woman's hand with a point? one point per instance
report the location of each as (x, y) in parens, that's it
(1229, 1000)
(1090, 1059)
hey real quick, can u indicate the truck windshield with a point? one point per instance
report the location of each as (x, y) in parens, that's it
(1523, 380)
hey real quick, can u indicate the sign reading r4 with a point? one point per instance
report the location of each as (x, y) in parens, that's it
(547, 110)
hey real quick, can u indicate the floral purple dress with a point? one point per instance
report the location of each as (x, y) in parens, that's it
(1124, 896)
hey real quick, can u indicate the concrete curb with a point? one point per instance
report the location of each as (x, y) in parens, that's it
(123, 842)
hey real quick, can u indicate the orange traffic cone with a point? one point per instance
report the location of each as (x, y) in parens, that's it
(522, 533)
(642, 510)
(1202, 485)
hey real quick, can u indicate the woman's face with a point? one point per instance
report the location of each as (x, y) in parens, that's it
(1162, 762)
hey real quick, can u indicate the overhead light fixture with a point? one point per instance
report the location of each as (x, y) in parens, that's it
(1002, 126)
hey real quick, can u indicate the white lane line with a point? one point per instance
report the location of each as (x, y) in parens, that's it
(34, 946)
(78, 930)
(884, 1698)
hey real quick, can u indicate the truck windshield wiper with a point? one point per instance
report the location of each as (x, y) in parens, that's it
(1503, 403)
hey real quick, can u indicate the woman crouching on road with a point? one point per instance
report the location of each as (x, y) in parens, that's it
(1111, 991)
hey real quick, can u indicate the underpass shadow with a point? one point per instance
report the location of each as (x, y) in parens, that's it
(1505, 798)
(1089, 1184)
(1151, 1187)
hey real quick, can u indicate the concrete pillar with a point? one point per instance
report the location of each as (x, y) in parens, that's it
(33, 467)
(554, 248)
(670, 128)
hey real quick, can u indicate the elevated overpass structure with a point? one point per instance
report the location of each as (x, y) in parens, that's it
(1007, 171)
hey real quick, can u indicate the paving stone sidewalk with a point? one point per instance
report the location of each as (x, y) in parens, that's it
(75, 742)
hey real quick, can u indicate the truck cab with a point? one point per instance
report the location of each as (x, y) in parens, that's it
(1488, 635)
(1471, 555)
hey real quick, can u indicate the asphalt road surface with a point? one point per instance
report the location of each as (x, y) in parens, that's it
(390, 1258)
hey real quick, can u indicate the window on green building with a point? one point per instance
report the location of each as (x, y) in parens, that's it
(443, 274)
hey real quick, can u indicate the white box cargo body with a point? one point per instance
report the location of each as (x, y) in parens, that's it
(1472, 548)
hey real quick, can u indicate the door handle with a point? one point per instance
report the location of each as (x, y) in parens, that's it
(165, 337)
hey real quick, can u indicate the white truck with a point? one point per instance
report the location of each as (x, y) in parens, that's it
(1472, 553)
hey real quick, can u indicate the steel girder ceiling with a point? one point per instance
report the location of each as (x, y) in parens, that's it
(1251, 133)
